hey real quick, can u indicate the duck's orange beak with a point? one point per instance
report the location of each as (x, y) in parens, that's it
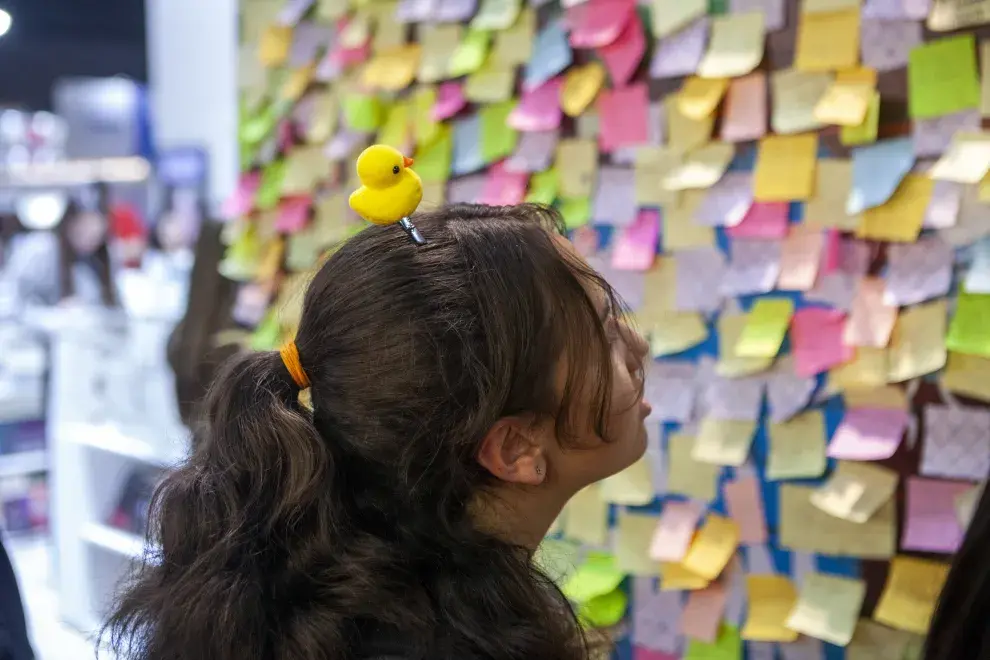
(407, 161)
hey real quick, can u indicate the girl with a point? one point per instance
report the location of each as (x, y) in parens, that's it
(462, 391)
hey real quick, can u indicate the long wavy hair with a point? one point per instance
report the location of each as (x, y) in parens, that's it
(294, 534)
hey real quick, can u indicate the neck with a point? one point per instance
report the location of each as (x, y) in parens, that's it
(520, 516)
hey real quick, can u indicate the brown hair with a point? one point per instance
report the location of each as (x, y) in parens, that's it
(289, 533)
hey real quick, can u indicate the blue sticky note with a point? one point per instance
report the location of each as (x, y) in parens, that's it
(877, 171)
(467, 155)
(551, 55)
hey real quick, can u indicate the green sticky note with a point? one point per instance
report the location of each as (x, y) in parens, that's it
(240, 259)
(433, 158)
(498, 139)
(942, 77)
(596, 576)
(576, 211)
(425, 127)
(728, 646)
(270, 190)
(765, 328)
(968, 330)
(866, 132)
(543, 187)
(470, 53)
(362, 112)
(257, 127)
(718, 7)
(605, 610)
(268, 333)
(395, 131)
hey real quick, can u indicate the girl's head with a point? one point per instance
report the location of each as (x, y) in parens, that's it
(461, 392)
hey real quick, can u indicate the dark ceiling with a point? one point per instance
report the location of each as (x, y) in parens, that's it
(50, 39)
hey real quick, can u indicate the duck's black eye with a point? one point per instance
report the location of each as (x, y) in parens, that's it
(395, 169)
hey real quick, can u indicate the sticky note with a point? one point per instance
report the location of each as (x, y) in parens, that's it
(871, 641)
(967, 331)
(362, 112)
(686, 475)
(744, 113)
(492, 83)
(622, 56)
(877, 171)
(730, 327)
(966, 161)
(805, 528)
(680, 231)
(624, 117)
(683, 132)
(698, 97)
(867, 369)
(576, 165)
(765, 328)
(496, 14)
(985, 78)
(652, 164)
(771, 599)
(884, 397)
(701, 167)
(965, 374)
(674, 531)
(868, 434)
(597, 575)
(676, 333)
(828, 608)
(845, 103)
(866, 132)
(514, 45)
(797, 447)
(604, 611)
(636, 246)
(703, 612)
(433, 159)
(901, 217)
(679, 54)
(753, 268)
(942, 77)
(713, 547)
(855, 491)
(744, 502)
(632, 543)
(785, 168)
(817, 340)
(735, 45)
(674, 577)
(581, 86)
(273, 49)
(795, 95)
(723, 442)
(670, 16)
(498, 138)
(930, 520)
(551, 55)
(632, 486)
(917, 344)
(470, 54)
(827, 41)
(800, 257)
(871, 320)
(576, 211)
(909, 597)
(587, 516)
(728, 646)
(393, 69)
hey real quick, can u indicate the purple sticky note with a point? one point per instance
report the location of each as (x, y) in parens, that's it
(787, 393)
(450, 101)
(670, 390)
(538, 109)
(735, 398)
(891, 10)
(917, 272)
(727, 202)
(454, 11)
(415, 11)
(656, 618)
(629, 284)
(681, 53)
(754, 266)
(930, 522)
(534, 152)
(943, 207)
(886, 45)
(955, 445)
(699, 273)
(636, 246)
(309, 40)
(615, 201)
(933, 136)
(869, 434)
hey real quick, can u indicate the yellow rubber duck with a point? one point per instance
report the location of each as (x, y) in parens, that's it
(389, 191)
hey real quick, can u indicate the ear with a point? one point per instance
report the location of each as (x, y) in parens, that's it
(511, 451)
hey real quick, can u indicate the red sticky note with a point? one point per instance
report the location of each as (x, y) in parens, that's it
(504, 188)
(538, 109)
(816, 340)
(622, 56)
(623, 117)
(598, 23)
(293, 214)
(450, 101)
(762, 220)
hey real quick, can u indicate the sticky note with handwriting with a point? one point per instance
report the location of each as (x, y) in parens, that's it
(713, 547)
(955, 444)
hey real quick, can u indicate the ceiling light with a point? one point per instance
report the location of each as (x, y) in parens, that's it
(5, 21)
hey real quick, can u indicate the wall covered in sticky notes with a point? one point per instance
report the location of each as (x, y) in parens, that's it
(791, 197)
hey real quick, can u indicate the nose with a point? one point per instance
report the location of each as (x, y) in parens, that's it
(407, 161)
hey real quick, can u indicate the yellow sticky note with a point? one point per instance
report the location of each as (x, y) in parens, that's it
(684, 133)
(735, 45)
(297, 83)
(514, 46)
(771, 599)
(425, 128)
(677, 332)
(577, 166)
(587, 517)
(701, 168)
(797, 447)
(581, 87)
(496, 14)
(912, 589)
(393, 69)
(397, 129)
(438, 42)
(855, 491)
(795, 95)
(652, 166)
(713, 547)
(917, 344)
(785, 168)
(674, 577)
(730, 365)
(828, 608)
(871, 641)
(765, 328)
(305, 168)
(967, 159)
(966, 375)
(686, 475)
(659, 284)
(723, 441)
(389, 33)
(867, 369)
(900, 217)
(670, 16)
(680, 231)
(274, 47)
(492, 83)
(866, 132)
(633, 486)
(844, 104)
(324, 118)
(828, 41)
(806, 528)
(699, 97)
(826, 209)
(470, 54)
(889, 396)
(634, 532)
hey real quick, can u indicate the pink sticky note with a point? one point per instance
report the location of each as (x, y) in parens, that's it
(800, 255)
(871, 320)
(745, 115)
(831, 251)
(674, 531)
(643, 653)
(242, 200)
(703, 612)
(931, 523)
(636, 246)
(816, 340)
(503, 188)
(622, 56)
(762, 220)
(868, 434)
(293, 214)
(598, 23)
(538, 109)
(623, 116)
(450, 101)
(745, 505)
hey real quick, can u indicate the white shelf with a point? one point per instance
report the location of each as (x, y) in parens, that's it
(109, 438)
(23, 462)
(114, 540)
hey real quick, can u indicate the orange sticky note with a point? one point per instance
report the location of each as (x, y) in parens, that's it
(785, 168)
(745, 504)
(871, 321)
(744, 114)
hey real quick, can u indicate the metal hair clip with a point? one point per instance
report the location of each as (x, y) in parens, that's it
(390, 191)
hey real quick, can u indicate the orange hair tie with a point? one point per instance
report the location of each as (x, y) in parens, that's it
(290, 357)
